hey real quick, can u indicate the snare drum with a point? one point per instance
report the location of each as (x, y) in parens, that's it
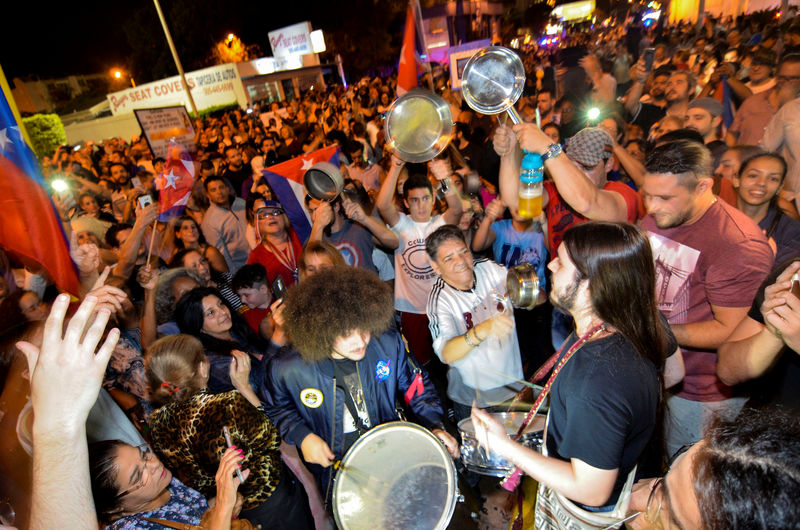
(475, 457)
(397, 476)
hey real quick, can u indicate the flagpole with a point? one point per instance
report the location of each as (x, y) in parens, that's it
(175, 57)
(421, 37)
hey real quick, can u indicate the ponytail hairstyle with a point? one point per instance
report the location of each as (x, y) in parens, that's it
(173, 368)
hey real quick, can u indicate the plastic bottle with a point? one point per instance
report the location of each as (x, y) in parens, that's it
(531, 176)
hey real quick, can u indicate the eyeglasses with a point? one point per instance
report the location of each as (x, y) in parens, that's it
(658, 500)
(263, 213)
(146, 456)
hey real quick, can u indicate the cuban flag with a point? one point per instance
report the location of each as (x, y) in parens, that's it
(29, 225)
(175, 183)
(286, 180)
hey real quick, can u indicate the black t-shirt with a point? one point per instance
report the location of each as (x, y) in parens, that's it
(603, 407)
(237, 177)
(646, 116)
(781, 384)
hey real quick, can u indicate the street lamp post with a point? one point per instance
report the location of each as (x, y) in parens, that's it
(118, 74)
(175, 57)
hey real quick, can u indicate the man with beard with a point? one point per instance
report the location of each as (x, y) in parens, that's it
(236, 172)
(710, 259)
(545, 101)
(605, 394)
(704, 115)
(678, 92)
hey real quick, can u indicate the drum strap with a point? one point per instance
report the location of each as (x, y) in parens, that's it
(349, 402)
(512, 481)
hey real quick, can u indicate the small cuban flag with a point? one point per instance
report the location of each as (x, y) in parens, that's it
(175, 183)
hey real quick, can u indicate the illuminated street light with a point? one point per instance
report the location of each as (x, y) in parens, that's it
(118, 74)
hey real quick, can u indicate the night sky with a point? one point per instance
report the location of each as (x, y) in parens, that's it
(54, 39)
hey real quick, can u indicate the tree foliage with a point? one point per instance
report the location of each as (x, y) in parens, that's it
(46, 133)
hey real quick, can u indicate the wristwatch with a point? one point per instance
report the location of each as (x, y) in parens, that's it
(552, 151)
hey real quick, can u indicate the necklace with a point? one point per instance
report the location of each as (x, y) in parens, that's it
(286, 258)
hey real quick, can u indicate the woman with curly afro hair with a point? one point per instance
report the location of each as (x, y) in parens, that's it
(348, 366)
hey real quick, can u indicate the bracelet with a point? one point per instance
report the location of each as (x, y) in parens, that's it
(466, 338)
(478, 336)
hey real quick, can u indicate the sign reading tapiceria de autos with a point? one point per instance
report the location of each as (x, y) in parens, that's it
(217, 85)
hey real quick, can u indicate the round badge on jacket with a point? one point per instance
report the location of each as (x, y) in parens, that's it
(311, 397)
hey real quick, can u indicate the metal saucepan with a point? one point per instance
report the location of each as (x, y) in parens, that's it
(522, 284)
(323, 181)
(418, 125)
(493, 81)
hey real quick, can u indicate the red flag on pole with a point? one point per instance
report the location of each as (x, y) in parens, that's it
(407, 69)
(29, 226)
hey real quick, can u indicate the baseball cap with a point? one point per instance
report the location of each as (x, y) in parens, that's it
(710, 105)
(589, 146)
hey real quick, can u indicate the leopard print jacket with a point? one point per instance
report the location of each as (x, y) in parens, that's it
(187, 436)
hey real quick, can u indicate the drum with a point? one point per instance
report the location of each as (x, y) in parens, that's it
(475, 457)
(397, 476)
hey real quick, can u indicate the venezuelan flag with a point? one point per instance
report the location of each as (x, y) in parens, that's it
(30, 228)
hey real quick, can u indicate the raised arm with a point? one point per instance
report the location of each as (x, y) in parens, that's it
(505, 145)
(385, 200)
(573, 185)
(380, 232)
(442, 170)
(130, 248)
(484, 236)
(65, 376)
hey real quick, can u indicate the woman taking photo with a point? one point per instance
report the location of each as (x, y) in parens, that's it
(133, 490)
(187, 432)
(204, 314)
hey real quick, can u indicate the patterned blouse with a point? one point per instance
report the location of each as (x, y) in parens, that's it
(185, 505)
(187, 436)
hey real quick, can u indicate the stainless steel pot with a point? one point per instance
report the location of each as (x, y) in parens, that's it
(493, 81)
(523, 287)
(418, 125)
(323, 181)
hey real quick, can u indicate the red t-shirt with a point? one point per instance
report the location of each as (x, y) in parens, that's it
(720, 259)
(561, 216)
(255, 316)
(274, 267)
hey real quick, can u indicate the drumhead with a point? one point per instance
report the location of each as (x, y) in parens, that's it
(397, 476)
(510, 420)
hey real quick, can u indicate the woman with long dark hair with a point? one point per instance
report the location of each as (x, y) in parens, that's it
(189, 236)
(204, 313)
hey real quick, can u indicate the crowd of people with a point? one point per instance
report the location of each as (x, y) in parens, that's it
(223, 355)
